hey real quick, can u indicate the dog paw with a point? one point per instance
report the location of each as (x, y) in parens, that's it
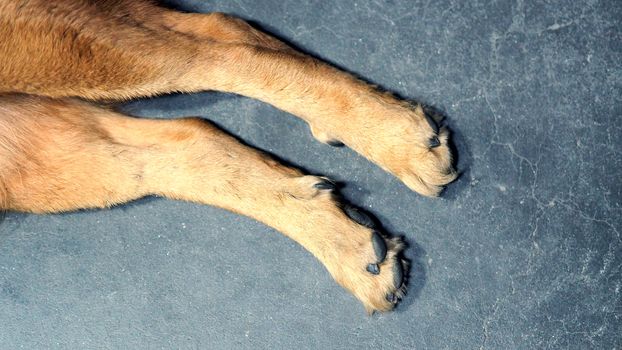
(409, 144)
(370, 266)
(360, 258)
(401, 139)
(421, 157)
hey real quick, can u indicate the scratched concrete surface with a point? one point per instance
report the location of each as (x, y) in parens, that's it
(523, 251)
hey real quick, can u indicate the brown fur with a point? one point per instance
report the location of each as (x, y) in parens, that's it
(60, 153)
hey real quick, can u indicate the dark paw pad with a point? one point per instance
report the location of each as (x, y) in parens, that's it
(398, 274)
(334, 143)
(434, 142)
(380, 246)
(360, 217)
(373, 269)
(432, 123)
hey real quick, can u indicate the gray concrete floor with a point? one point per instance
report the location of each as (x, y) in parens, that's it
(523, 251)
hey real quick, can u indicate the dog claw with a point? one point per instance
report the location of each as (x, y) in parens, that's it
(358, 216)
(380, 246)
(373, 269)
(398, 274)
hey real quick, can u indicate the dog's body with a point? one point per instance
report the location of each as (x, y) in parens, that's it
(60, 151)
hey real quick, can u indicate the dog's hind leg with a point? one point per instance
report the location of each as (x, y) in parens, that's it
(62, 155)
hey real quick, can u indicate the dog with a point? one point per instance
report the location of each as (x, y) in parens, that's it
(63, 148)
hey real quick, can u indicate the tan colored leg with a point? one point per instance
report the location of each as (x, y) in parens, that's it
(161, 51)
(62, 155)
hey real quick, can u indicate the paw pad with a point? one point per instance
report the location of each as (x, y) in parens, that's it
(398, 274)
(434, 142)
(373, 269)
(432, 123)
(358, 216)
(335, 143)
(380, 246)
